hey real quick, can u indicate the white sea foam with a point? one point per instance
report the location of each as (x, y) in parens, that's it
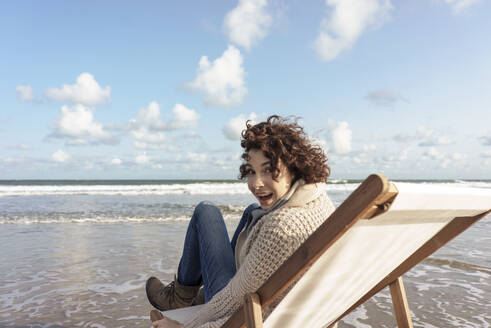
(159, 266)
(123, 288)
(360, 313)
(95, 325)
(416, 272)
(126, 190)
(59, 324)
(133, 317)
(423, 287)
(200, 188)
(483, 189)
(473, 184)
(103, 219)
(68, 313)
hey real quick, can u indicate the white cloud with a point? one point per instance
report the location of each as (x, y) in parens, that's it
(142, 159)
(404, 138)
(60, 156)
(357, 160)
(432, 153)
(340, 135)
(11, 160)
(183, 117)
(191, 135)
(436, 141)
(24, 93)
(385, 97)
(234, 127)
(20, 147)
(149, 117)
(425, 137)
(88, 165)
(486, 162)
(486, 139)
(148, 146)
(486, 154)
(222, 82)
(444, 160)
(116, 161)
(429, 138)
(460, 5)
(247, 23)
(458, 156)
(78, 125)
(348, 20)
(403, 155)
(144, 135)
(374, 159)
(195, 157)
(85, 91)
(147, 126)
(369, 148)
(24, 147)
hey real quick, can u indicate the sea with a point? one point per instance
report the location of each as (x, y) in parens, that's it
(77, 253)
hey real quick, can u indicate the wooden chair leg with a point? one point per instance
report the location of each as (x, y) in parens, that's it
(252, 311)
(399, 301)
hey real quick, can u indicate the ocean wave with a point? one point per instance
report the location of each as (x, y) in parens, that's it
(232, 209)
(473, 184)
(482, 184)
(448, 263)
(103, 219)
(198, 188)
(125, 190)
(341, 187)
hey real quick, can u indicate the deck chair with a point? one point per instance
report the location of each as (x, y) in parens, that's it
(376, 235)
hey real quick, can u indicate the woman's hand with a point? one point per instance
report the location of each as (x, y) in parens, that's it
(166, 323)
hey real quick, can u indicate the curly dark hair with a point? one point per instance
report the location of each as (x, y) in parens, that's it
(279, 138)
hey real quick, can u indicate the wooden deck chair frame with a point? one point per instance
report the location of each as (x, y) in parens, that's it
(370, 199)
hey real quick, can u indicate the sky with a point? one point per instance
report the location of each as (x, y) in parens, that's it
(162, 89)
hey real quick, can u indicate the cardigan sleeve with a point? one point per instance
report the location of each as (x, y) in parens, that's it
(273, 245)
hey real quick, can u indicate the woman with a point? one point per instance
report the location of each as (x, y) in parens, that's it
(286, 173)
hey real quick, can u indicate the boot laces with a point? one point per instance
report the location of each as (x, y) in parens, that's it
(170, 288)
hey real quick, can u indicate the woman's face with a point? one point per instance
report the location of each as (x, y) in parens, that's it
(260, 179)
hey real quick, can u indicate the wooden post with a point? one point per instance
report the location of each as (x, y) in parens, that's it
(252, 311)
(399, 300)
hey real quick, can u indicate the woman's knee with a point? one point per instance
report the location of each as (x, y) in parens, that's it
(207, 211)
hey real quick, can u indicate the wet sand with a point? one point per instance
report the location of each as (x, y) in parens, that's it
(93, 275)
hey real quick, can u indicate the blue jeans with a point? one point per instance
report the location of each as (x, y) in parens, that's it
(208, 255)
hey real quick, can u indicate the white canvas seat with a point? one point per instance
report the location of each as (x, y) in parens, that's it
(363, 247)
(183, 314)
(369, 251)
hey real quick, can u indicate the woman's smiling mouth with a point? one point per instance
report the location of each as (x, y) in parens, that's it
(265, 198)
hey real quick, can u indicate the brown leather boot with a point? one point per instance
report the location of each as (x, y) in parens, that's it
(200, 297)
(172, 296)
(156, 315)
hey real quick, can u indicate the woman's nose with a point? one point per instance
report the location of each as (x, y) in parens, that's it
(258, 182)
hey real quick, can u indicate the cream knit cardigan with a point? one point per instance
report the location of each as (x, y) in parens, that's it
(271, 241)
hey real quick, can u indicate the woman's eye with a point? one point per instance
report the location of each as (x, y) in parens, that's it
(268, 170)
(249, 172)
